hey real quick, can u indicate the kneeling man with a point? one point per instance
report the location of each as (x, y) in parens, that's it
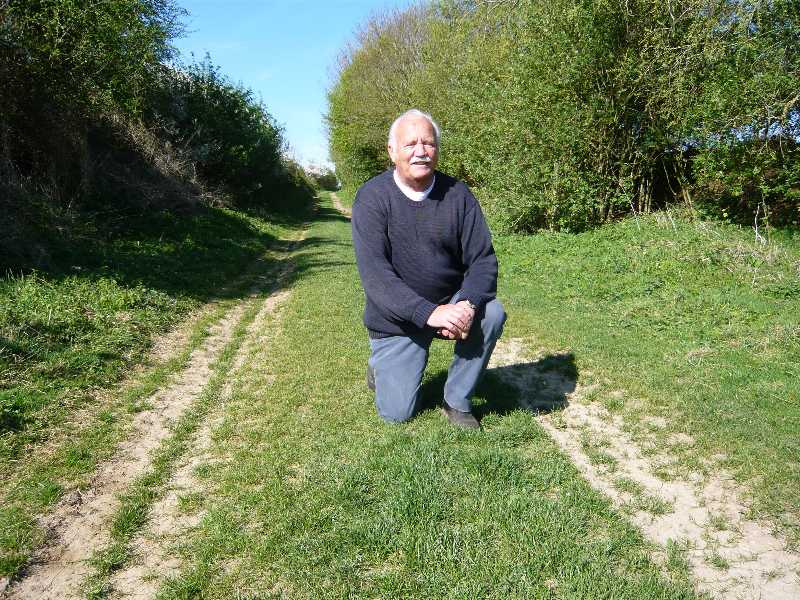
(428, 268)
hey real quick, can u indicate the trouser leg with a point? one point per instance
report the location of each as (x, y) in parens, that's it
(472, 355)
(398, 363)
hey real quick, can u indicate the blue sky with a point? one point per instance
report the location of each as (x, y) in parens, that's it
(283, 51)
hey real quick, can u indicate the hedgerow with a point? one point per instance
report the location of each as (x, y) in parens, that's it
(98, 116)
(563, 115)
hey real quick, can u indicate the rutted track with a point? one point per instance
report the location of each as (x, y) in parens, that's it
(79, 526)
(339, 206)
(154, 559)
(759, 565)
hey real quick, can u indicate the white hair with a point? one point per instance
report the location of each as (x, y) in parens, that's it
(412, 113)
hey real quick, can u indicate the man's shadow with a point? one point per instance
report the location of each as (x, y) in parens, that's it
(541, 386)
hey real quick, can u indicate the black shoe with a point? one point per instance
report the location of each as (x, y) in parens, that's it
(370, 378)
(457, 418)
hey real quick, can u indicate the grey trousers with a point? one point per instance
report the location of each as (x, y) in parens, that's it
(398, 363)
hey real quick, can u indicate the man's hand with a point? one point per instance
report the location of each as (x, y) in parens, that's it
(452, 321)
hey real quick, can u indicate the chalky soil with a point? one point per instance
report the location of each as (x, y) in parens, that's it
(705, 515)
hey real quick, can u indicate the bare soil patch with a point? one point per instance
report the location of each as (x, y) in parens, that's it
(730, 555)
(156, 559)
(337, 204)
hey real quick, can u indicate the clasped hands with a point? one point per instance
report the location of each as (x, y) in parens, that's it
(452, 321)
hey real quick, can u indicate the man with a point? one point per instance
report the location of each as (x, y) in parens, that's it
(428, 268)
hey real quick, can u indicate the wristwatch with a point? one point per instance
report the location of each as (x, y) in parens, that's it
(470, 304)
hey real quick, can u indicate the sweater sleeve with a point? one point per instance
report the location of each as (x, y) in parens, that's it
(480, 280)
(393, 297)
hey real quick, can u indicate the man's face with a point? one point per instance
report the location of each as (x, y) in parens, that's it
(414, 152)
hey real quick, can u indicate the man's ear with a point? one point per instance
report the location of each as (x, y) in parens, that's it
(390, 150)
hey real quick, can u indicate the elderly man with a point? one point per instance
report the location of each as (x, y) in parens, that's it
(428, 268)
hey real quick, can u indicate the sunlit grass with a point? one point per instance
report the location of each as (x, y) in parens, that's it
(308, 494)
(694, 322)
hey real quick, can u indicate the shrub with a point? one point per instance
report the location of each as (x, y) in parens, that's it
(233, 141)
(562, 115)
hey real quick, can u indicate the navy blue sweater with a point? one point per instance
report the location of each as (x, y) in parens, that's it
(413, 256)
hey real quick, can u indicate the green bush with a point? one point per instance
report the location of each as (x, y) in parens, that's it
(93, 120)
(323, 178)
(563, 115)
(83, 53)
(221, 128)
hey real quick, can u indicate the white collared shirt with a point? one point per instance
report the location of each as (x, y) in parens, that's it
(413, 194)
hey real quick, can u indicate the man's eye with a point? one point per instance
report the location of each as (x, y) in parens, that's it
(427, 145)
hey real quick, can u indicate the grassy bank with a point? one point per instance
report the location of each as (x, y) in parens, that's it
(693, 322)
(346, 196)
(308, 494)
(71, 333)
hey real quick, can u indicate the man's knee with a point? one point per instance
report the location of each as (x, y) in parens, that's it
(396, 410)
(494, 318)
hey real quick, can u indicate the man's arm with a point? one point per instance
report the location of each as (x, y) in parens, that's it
(480, 280)
(393, 297)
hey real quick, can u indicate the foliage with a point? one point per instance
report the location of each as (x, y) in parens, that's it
(564, 115)
(62, 66)
(83, 54)
(93, 120)
(324, 179)
(221, 128)
(374, 82)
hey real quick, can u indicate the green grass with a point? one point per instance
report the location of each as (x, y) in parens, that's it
(69, 335)
(693, 321)
(308, 494)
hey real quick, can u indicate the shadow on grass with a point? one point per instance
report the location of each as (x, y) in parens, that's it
(541, 386)
(325, 213)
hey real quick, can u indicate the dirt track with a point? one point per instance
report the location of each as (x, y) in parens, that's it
(79, 526)
(706, 515)
(339, 206)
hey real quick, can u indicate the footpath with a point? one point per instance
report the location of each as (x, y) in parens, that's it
(262, 471)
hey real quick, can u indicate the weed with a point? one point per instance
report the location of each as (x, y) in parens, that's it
(719, 522)
(629, 486)
(717, 561)
(677, 561)
(651, 504)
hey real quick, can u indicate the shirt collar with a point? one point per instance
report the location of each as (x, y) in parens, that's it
(413, 194)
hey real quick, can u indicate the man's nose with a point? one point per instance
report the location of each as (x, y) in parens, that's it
(419, 149)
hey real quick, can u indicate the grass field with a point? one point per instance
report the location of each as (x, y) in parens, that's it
(70, 334)
(690, 321)
(307, 494)
(301, 491)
